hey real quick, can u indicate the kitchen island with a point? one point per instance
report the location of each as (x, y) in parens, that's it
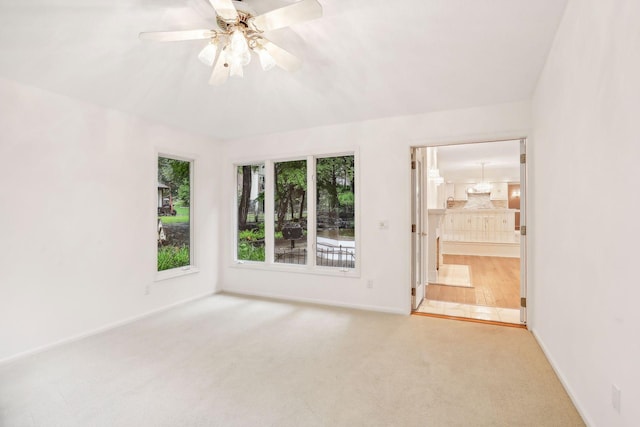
(479, 225)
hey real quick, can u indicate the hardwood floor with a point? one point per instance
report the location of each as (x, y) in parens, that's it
(495, 281)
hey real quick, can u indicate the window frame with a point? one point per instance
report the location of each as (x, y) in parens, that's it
(235, 213)
(269, 216)
(192, 267)
(356, 213)
(273, 201)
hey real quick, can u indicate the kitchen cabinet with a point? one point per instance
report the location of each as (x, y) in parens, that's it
(514, 202)
(499, 191)
(450, 190)
(482, 225)
(460, 191)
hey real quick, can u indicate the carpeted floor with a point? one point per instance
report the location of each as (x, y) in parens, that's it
(233, 361)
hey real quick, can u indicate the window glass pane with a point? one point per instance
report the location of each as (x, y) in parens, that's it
(335, 212)
(290, 212)
(174, 197)
(250, 203)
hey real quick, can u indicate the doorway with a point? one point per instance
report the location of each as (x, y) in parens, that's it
(468, 231)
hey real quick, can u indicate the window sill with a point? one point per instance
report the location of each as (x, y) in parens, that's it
(296, 268)
(175, 272)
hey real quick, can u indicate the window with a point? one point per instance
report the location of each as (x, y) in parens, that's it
(298, 213)
(174, 216)
(250, 204)
(335, 213)
(290, 216)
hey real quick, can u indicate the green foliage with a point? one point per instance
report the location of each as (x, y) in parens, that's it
(346, 198)
(249, 252)
(251, 244)
(173, 170)
(330, 168)
(291, 174)
(172, 257)
(335, 182)
(290, 190)
(174, 219)
(175, 174)
(182, 215)
(251, 235)
(184, 193)
(181, 210)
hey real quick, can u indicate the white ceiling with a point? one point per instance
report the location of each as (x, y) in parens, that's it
(364, 59)
(463, 162)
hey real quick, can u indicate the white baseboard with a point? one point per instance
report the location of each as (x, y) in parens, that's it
(102, 329)
(563, 380)
(316, 301)
(507, 250)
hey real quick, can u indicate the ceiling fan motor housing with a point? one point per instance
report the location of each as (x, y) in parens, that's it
(243, 17)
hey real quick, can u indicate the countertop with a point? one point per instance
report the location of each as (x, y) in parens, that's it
(496, 210)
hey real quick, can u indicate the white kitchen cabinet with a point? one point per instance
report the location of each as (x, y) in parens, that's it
(499, 191)
(496, 226)
(460, 191)
(451, 191)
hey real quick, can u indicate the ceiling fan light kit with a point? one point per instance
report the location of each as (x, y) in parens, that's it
(241, 32)
(208, 54)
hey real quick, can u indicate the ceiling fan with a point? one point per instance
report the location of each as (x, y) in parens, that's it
(239, 33)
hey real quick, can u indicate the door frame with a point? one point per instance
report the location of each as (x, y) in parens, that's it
(523, 232)
(523, 212)
(418, 225)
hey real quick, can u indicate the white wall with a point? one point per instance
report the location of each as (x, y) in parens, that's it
(77, 209)
(384, 158)
(583, 230)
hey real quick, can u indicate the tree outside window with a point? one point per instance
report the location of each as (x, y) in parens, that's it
(333, 199)
(250, 202)
(335, 212)
(290, 202)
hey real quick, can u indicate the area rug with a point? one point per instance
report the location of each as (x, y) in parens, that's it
(454, 275)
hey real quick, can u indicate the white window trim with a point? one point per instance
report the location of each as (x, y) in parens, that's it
(175, 272)
(310, 268)
(192, 267)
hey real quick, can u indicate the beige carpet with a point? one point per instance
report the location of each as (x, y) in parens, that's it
(232, 361)
(454, 275)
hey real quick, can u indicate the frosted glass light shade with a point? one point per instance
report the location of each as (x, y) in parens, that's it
(239, 49)
(208, 54)
(266, 60)
(235, 69)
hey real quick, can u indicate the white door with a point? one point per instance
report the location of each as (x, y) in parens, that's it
(417, 232)
(523, 231)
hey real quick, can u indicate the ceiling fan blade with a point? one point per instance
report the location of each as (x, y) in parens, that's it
(225, 9)
(283, 59)
(174, 36)
(220, 73)
(301, 11)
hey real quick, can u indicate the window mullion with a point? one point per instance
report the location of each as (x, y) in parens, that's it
(311, 211)
(269, 206)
